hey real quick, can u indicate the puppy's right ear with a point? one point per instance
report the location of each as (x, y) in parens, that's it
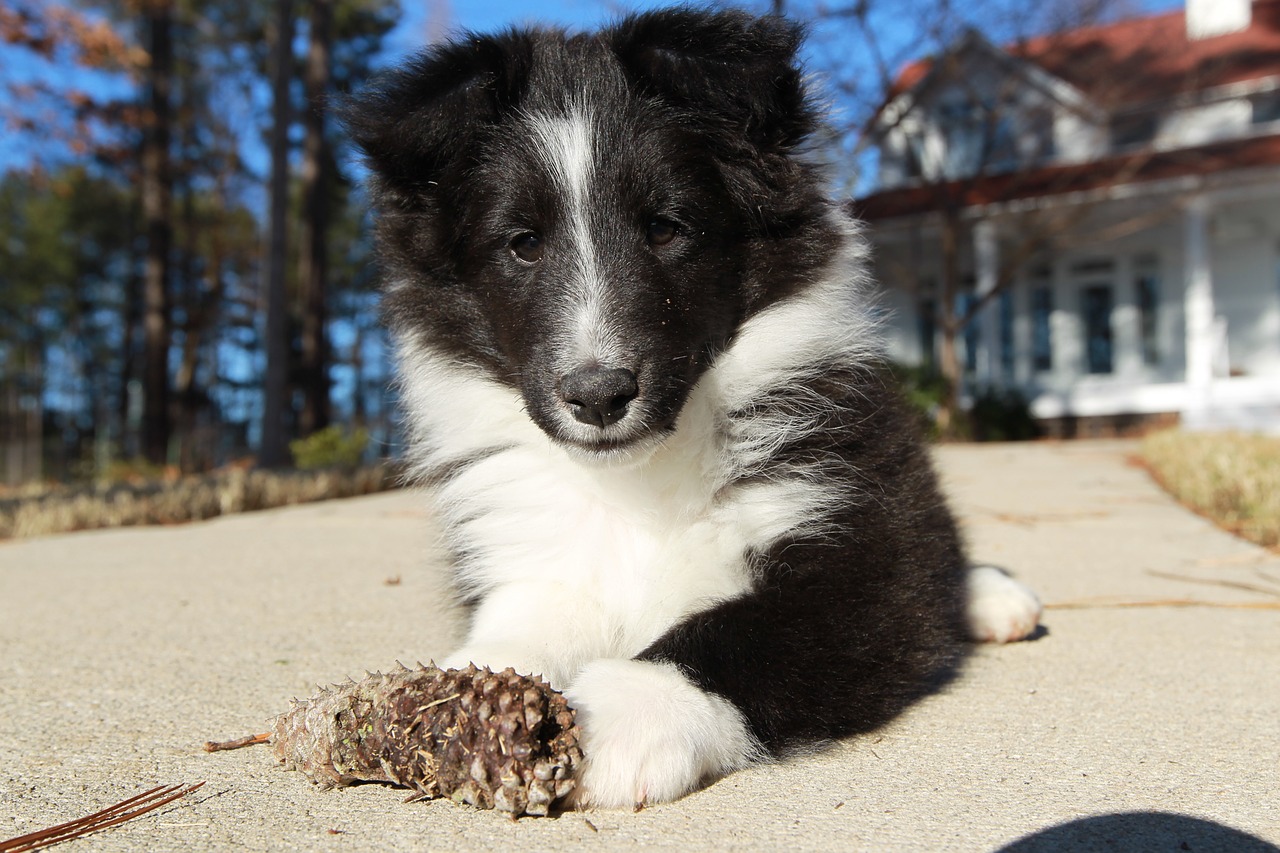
(416, 122)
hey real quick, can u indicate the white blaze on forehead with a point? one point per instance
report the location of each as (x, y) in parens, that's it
(567, 145)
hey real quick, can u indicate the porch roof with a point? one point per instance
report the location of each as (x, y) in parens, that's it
(1113, 171)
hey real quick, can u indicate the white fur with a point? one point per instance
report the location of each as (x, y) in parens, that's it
(566, 146)
(661, 537)
(580, 564)
(1001, 609)
(650, 735)
(579, 567)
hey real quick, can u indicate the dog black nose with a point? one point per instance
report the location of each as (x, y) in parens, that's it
(599, 395)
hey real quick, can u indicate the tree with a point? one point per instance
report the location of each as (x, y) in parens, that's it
(60, 123)
(274, 430)
(91, 339)
(66, 251)
(343, 38)
(312, 252)
(69, 230)
(343, 41)
(919, 55)
(157, 210)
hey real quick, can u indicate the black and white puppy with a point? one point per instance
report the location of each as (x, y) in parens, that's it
(643, 382)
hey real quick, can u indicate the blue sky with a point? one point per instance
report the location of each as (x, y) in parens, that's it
(422, 21)
(483, 15)
(487, 15)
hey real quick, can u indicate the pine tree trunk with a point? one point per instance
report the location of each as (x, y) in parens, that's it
(273, 452)
(359, 407)
(130, 322)
(312, 255)
(187, 295)
(157, 202)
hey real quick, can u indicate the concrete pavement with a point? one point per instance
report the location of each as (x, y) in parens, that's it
(1146, 726)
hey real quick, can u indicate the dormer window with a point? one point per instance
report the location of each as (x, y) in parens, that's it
(1038, 144)
(1265, 107)
(1002, 143)
(962, 129)
(913, 156)
(1132, 130)
(980, 137)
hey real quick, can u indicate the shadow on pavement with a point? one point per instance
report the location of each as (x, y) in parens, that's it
(1154, 831)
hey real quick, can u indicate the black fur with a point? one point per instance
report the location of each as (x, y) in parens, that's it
(706, 113)
(846, 628)
(693, 144)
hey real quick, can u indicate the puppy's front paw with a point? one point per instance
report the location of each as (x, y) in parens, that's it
(650, 735)
(1001, 609)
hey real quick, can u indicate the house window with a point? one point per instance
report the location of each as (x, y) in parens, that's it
(1146, 282)
(1006, 335)
(1265, 107)
(1093, 266)
(1040, 136)
(964, 143)
(1096, 308)
(928, 329)
(980, 136)
(1132, 130)
(913, 155)
(1001, 152)
(971, 331)
(1041, 335)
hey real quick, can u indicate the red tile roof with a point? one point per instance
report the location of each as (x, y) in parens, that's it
(1146, 59)
(1143, 59)
(1120, 64)
(1059, 180)
(910, 75)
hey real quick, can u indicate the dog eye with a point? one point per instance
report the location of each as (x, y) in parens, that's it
(661, 232)
(528, 247)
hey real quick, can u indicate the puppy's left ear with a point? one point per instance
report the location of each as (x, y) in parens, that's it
(729, 66)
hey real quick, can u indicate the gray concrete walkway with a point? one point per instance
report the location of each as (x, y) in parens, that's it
(1122, 728)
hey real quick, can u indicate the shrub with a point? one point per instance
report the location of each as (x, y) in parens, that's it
(331, 447)
(994, 416)
(1232, 478)
(926, 393)
(63, 508)
(1002, 416)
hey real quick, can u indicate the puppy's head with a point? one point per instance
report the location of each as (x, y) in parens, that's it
(591, 217)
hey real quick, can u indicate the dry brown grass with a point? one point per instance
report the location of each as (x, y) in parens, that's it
(1231, 478)
(38, 511)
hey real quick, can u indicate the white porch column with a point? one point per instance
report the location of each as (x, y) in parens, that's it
(986, 259)
(1198, 309)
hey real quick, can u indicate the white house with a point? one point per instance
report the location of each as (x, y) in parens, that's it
(1116, 195)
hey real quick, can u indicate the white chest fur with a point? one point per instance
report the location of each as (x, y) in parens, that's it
(572, 560)
(616, 554)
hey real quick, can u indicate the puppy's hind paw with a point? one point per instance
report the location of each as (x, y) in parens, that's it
(1001, 609)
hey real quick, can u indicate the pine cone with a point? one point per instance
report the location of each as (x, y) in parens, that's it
(493, 740)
